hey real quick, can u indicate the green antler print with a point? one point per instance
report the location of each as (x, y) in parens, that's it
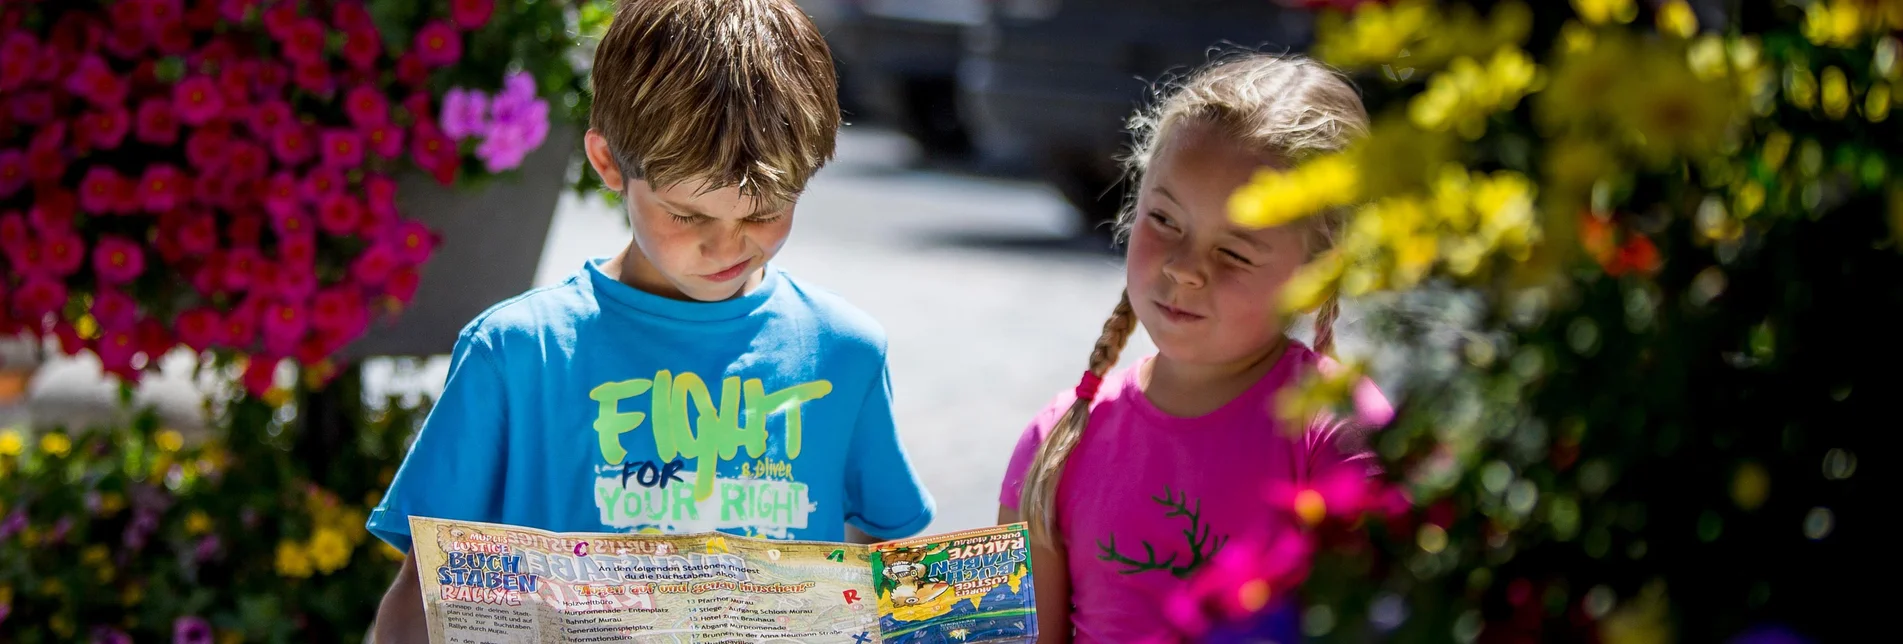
(1201, 546)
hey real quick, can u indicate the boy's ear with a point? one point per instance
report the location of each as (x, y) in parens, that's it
(603, 159)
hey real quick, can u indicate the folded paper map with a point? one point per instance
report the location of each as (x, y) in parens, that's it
(485, 583)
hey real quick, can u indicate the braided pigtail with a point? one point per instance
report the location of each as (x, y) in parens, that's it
(1038, 498)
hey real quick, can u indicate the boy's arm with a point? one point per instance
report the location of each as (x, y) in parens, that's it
(400, 617)
(857, 536)
(884, 498)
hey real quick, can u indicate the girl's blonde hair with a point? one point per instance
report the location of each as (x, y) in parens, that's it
(1288, 107)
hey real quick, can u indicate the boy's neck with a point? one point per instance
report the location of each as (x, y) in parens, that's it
(632, 268)
(1191, 390)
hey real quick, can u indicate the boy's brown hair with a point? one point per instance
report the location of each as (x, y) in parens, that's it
(734, 92)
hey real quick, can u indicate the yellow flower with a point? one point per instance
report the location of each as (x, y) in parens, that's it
(1642, 620)
(1311, 284)
(1467, 93)
(329, 551)
(169, 440)
(11, 443)
(6, 594)
(1750, 198)
(1800, 86)
(52, 588)
(111, 503)
(1276, 198)
(1841, 22)
(94, 555)
(292, 560)
(1676, 18)
(1876, 103)
(1672, 113)
(1750, 485)
(1374, 35)
(56, 443)
(1836, 93)
(1600, 12)
(61, 625)
(1573, 165)
(132, 595)
(197, 523)
(1585, 82)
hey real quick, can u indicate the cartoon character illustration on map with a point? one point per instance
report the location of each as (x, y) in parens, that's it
(906, 569)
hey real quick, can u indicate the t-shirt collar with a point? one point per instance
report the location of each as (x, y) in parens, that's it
(609, 289)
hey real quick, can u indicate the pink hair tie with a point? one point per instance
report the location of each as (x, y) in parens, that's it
(1087, 389)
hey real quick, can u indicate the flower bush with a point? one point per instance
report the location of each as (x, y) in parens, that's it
(221, 174)
(1630, 253)
(135, 533)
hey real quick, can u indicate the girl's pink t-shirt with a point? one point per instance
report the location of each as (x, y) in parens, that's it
(1139, 480)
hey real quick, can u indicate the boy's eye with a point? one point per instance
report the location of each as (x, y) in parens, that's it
(764, 220)
(684, 219)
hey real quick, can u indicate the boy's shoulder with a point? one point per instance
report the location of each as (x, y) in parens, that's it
(832, 315)
(534, 312)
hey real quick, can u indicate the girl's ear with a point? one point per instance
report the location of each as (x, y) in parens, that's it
(603, 159)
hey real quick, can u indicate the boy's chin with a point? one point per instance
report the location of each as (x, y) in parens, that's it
(700, 290)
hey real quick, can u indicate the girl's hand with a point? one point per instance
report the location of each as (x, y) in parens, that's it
(1052, 578)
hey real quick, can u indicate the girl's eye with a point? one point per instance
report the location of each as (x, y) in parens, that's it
(1162, 220)
(1238, 257)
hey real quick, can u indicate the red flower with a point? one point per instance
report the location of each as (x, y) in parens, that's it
(339, 215)
(260, 374)
(114, 310)
(337, 310)
(361, 47)
(414, 242)
(291, 143)
(320, 183)
(367, 106)
(128, 40)
(17, 52)
(315, 78)
(154, 339)
(402, 285)
(44, 160)
(298, 248)
(198, 100)
(101, 190)
(64, 252)
(374, 265)
(386, 140)
(282, 197)
(33, 108)
(200, 328)
(304, 42)
(240, 266)
(279, 19)
(108, 129)
(219, 54)
(234, 86)
(157, 123)
(14, 238)
(118, 260)
(39, 296)
(199, 235)
(411, 71)
(268, 116)
(116, 349)
(95, 82)
(53, 209)
(203, 16)
(271, 80)
(245, 230)
(380, 191)
(343, 149)
(241, 325)
(1637, 255)
(293, 228)
(236, 10)
(246, 160)
(350, 14)
(205, 147)
(12, 172)
(160, 13)
(434, 152)
(163, 188)
(438, 44)
(295, 282)
(471, 14)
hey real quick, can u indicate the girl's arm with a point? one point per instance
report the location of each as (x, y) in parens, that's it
(400, 616)
(1051, 576)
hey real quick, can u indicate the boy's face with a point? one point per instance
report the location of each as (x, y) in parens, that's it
(693, 243)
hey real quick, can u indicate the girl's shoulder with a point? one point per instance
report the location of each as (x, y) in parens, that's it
(1117, 386)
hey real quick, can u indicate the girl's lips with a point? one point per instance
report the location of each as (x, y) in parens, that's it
(1177, 315)
(732, 272)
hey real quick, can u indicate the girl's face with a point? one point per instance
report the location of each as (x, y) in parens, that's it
(1205, 288)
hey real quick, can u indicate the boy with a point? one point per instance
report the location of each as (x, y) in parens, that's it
(685, 384)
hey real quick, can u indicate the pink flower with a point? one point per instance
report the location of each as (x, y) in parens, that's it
(508, 142)
(292, 145)
(339, 214)
(279, 19)
(321, 182)
(294, 227)
(234, 86)
(17, 52)
(33, 108)
(402, 285)
(414, 242)
(14, 238)
(241, 325)
(268, 117)
(362, 45)
(438, 44)
(434, 152)
(236, 10)
(39, 296)
(338, 310)
(298, 248)
(464, 113)
(271, 80)
(380, 191)
(65, 252)
(1342, 493)
(1239, 582)
(163, 188)
(53, 210)
(260, 374)
(173, 40)
(245, 230)
(386, 140)
(367, 106)
(108, 128)
(99, 191)
(246, 160)
(411, 71)
(205, 147)
(114, 310)
(199, 235)
(282, 195)
(471, 14)
(12, 172)
(198, 100)
(200, 328)
(191, 630)
(374, 265)
(314, 78)
(304, 42)
(295, 281)
(240, 265)
(45, 160)
(343, 149)
(157, 124)
(95, 82)
(161, 13)
(128, 40)
(350, 14)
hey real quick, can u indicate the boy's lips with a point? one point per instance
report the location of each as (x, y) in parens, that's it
(729, 273)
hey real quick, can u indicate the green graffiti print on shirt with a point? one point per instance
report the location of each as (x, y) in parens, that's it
(1202, 546)
(717, 431)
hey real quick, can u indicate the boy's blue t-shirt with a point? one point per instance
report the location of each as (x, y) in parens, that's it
(592, 406)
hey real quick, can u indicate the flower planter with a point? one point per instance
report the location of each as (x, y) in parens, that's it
(492, 242)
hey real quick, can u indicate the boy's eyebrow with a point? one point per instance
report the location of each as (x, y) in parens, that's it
(764, 210)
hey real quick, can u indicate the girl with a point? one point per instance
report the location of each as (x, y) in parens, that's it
(1163, 463)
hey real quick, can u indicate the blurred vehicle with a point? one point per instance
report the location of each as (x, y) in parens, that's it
(902, 56)
(1055, 80)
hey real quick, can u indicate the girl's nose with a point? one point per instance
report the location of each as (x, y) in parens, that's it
(1188, 272)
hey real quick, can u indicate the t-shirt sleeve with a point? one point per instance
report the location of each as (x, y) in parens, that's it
(1026, 451)
(884, 497)
(454, 469)
(1337, 443)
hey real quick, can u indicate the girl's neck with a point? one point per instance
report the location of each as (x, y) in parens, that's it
(1192, 390)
